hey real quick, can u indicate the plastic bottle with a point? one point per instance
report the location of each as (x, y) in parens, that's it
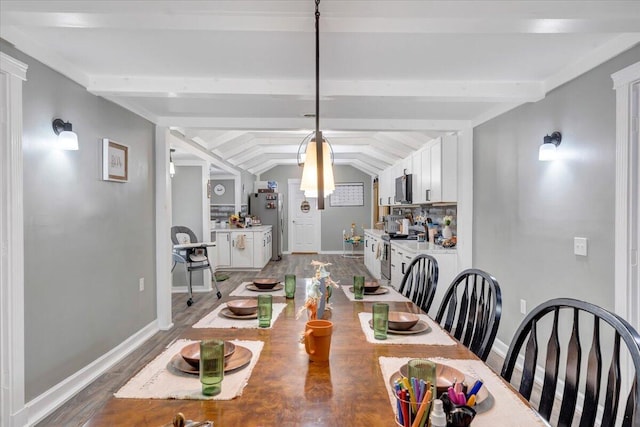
(438, 418)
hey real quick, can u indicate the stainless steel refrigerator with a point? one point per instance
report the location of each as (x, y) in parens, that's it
(268, 207)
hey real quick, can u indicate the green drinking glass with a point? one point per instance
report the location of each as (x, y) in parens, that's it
(211, 366)
(290, 285)
(380, 313)
(264, 310)
(358, 287)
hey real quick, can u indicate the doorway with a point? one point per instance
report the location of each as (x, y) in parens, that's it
(304, 226)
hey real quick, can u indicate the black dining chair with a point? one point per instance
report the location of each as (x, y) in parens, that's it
(420, 281)
(473, 307)
(559, 320)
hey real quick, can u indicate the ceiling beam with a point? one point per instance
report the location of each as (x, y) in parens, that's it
(434, 90)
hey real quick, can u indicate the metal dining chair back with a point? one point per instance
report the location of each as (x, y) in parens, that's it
(471, 310)
(420, 281)
(560, 318)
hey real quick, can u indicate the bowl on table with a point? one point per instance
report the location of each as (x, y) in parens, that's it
(371, 287)
(191, 353)
(243, 307)
(401, 321)
(265, 283)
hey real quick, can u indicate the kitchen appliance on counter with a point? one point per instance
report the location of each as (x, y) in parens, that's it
(268, 207)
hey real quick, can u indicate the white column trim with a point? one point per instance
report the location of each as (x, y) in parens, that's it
(163, 227)
(12, 352)
(465, 199)
(627, 289)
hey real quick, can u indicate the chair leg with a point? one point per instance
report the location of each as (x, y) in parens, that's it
(190, 300)
(215, 282)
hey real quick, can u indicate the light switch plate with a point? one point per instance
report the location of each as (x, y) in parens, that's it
(580, 246)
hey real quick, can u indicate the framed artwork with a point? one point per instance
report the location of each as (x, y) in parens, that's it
(115, 161)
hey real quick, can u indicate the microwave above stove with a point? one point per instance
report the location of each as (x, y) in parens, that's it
(404, 189)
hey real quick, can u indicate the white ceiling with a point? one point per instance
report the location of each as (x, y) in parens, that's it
(237, 77)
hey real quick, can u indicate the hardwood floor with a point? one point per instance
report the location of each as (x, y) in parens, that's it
(83, 405)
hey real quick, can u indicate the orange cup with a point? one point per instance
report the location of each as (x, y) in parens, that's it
(317, 339)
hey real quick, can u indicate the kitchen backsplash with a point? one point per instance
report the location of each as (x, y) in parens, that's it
(436, 213)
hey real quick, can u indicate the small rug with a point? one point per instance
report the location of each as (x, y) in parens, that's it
(220, 277)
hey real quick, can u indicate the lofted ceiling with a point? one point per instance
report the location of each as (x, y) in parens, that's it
(236, 79)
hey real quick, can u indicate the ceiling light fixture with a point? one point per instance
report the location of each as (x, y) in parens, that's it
(549, 147)
(317, 174)
(172, 166)
(67, 138)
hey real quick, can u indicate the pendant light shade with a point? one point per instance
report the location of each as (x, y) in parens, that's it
(309, 183)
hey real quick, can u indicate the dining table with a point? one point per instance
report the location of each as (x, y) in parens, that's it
(286, 389)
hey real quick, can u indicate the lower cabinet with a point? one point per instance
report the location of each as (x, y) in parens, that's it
(243, 249)
(372, 253)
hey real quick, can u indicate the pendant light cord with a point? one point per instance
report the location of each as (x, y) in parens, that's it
(319, 139)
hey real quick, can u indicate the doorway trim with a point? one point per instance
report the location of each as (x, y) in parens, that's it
(12, 352)
(626, 83)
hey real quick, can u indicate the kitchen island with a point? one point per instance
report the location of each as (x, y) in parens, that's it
(242, 248)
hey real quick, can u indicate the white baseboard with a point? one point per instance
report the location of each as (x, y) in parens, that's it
(50, 400)
(195, 290)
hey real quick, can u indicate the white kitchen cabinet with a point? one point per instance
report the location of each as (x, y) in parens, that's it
(400, 260)
(386, 187)
(436, 172)
(447, 271)
(262, 248)
(255, 254)
(241, 254)
(223, 249)
(371, 248)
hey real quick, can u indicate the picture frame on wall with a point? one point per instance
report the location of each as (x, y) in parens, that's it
(115, 161)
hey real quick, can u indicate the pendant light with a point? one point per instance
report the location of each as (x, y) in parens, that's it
(317, 174)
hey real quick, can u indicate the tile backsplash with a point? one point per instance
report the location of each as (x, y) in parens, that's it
(436, 213)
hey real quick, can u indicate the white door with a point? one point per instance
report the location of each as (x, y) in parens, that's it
(304, 227)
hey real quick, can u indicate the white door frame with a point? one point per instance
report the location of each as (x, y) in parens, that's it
(12, 358)
(626, 83)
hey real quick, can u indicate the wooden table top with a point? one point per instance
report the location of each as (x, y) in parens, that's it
(285, 389)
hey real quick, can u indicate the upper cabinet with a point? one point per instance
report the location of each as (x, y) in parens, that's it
(435, 173)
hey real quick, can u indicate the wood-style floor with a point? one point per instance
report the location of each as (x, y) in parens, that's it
(82, 406)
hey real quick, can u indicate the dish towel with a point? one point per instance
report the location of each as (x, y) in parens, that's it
(435, 336)
(378, 250)
(155, 381)
(392, 295)
(216, 320)
(507, 411)
(240, 241)
(242, 291)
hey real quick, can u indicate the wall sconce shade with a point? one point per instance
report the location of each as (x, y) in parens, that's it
(172, 166)
(67, 138)
(309, 183)
(549, 148)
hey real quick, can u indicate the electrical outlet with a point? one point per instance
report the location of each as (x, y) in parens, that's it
(523, 306)
(580, 246)
(141, 284)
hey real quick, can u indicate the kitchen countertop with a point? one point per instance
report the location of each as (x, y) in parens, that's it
(252, 229)
(422, 247)
(413, 245)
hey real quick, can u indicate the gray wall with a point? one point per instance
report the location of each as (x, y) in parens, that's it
(334, 219)
(87, 241)
(229, 196)
(186, 195)
(527, 212)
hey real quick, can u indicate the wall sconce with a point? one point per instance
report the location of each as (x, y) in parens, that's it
(172, 166)
(67, 138)
(549, 148)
